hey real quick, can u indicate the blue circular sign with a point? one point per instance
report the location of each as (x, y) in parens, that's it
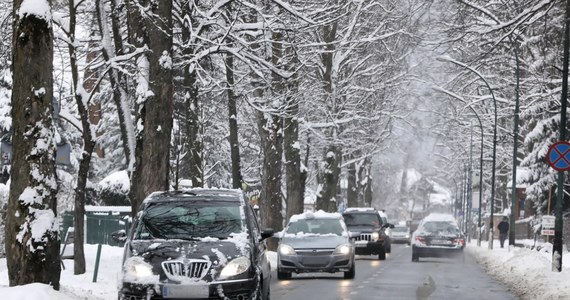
(558, 156)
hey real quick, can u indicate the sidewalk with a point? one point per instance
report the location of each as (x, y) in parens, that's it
(526, 272)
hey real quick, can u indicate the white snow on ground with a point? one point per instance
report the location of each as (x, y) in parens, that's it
(527, 272)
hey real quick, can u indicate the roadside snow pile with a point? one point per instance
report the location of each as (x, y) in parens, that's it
(526, 272)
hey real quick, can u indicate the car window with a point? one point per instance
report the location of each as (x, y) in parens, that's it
(362, 219)
(439, 227)
(316, 226)
(184, 220)
(400, 229)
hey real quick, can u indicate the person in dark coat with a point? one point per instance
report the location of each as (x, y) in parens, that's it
(503, 230)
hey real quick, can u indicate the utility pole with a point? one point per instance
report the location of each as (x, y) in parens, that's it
(516, 137)
(470, 187)
(557, 243)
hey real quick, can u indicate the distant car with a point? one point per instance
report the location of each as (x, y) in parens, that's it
(401, 234)
(438, 235)
(315, 242)
(195, 244)
(373, 239)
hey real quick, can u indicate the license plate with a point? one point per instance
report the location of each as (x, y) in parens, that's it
(361, 244)
(441, 242)
(185, 291)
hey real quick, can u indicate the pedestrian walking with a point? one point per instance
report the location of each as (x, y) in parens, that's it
(503, 230)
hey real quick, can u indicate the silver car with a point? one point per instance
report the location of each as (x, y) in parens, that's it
(401, 234)
(315, 242)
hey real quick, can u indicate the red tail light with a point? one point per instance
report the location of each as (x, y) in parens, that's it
(460, 242)
(420, 239)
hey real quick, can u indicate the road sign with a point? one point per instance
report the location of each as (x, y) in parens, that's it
(548, 221)
(547, 232)
(558, 156)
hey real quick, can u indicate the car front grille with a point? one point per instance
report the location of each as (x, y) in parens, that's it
(364, 237)
(194, 268)
(314, 252)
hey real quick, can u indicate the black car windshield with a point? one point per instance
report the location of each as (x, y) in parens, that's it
(440, 227)
(187, 221)
(362, 219)
(316, 226)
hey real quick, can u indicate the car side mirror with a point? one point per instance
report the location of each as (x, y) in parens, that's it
(391, 225)
(266, 233)
(352, 234)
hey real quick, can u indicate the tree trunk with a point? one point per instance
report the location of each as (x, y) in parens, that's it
(327, 198)
(352, 187)
(193, 139)
(368, 190)
(232, 117)
(153, 161)
(295, 177)
(192, 163)
(32, 250)
(88, 147)
(117, 80)
(270, 202)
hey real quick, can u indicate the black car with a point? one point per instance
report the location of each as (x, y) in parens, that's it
(438, 235)
(195, 244)
(373, 239)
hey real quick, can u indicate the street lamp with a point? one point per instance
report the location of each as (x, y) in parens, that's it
(480, 162)
(458, 63)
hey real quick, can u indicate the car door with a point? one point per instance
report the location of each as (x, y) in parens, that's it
(259, 247)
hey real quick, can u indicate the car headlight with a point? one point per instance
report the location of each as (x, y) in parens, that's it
(137, 267)
(375, 236)
(286, 250)
(343, 249)
(236, 267)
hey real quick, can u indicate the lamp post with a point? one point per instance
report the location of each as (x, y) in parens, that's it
(458, 63)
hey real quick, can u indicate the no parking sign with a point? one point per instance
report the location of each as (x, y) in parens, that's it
(558, 156)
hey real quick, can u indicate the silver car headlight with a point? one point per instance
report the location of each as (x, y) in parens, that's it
(375, 236)
(343, 249)
(235, 267)
(138, 268)
(286, 250)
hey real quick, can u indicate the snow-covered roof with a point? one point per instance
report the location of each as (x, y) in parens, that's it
(320, 214)
(360, 209)
(93, 208)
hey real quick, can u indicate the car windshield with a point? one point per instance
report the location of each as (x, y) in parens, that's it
(188, 221)
(362, 219)
(316, 226)
(440, 227)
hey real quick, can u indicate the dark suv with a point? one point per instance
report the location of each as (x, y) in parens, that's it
(195, 244)
(373, 239)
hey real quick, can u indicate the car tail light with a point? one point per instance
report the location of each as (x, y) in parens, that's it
(460, 242)
(420, 239)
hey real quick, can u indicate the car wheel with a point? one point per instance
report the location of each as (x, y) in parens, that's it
(382, 255)
(389, 248)
(415, 257)
(281, 275)
(350, 274)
